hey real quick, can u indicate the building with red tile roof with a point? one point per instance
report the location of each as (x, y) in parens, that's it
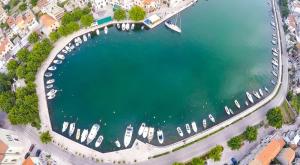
(286, 156)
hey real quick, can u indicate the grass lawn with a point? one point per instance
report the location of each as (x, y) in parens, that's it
(288, 114)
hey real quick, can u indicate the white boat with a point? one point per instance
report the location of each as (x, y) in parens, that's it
(141, 129)
(128, 135)
(179, 131)
(145, 132)
(266, 89)
(60, 56)
(275, 50)
(123, 27)
(132, 26)
(117, 143)
(275, 54)
(188, 129)
(105, 30)
(93, 132)
(150, 134)
(274, 42)
(71, 46)
(127, 26)
(89, 35)
(227, 110)
(78, 134)
(97, 32)
(51, 92)
(84, 135)
(99, 141)
(51, 97)
(210, 116)
(194, 127)
(204, 123)
(237, 104)
(160, 136)
(142, 27)
(118, 26)
(231, 111)
(64, 51)
(246, 102)
(260, 92)
(50, 81)
(79, 40)
(49, 86)
(57, 61)
(273, 23)
(274, 63)
(65, 126)
(249, 96)
(256, 94)
(275, 59)
(172, 26)
(68, 48)
(48, 74)
(71, 129)
(52, 68)
(84, 38)
(274, 73)
(273, 82)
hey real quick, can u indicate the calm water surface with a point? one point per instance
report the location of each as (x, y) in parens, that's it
(163, 78)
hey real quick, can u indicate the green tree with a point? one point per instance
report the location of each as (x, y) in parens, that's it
(67, 18)
(12, 66)
(33, 2)
(275, 117)
(54, 36)
(289, 96)
(23, 54)
(5, 83)
(235, 143)
(137, 13)
(4, 25)
(33, 37)
(7, 101)
(86, 10)
(22, 6)
(177, 163)
(73, 26)
(119, 14)
(86, 20)
(197, 161)
(250, 133)
(216, 153)
(45, 137)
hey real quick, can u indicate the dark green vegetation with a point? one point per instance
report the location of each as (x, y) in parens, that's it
(45, 137)
(33, 38)
(250, 134)
(275, 117)
(119, 14)
(70, 23)
(22, 7)
(235, 143)
(215, 154)
(137, 13)
(22, 106)
(295, 102)
(33, 2)
(284, 9)
(11, 4)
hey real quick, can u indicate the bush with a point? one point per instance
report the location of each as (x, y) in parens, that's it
(33, 2)
(86, 20)
(197, 161)
(275, 118)
(23, 7)
(137, 13)
(33, 38)
(235, 143)
(216, 153)
(119, 14)
(54, 36)
(46, 137)
(5, 83)
(250, 134)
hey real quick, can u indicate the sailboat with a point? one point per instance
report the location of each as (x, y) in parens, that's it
(173, 26)
(237, 104)
(194, 126)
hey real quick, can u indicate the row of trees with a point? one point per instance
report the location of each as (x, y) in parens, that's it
(72, 21)
(236, 142)
(275, 118)
(215, 154)
(136, 13)
(284, 8)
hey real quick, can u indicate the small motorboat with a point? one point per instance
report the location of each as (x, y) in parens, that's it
(64, 51)
(93, 132)
(127, 26)
(204, 123)
(105, 30)
(194, 127)
(172, 26)
(50, 81)
(128, 135)
(266, 89)
(145, 132)
(117, 143)
(51, 92)
(84, 38)
(141, 129)
(84, 135)
(274, 73)
(260, 92)
(89, 35)
(49, 86)
(57, 61)
(123, 27)
(78, 134)
(160, 136)
(246, 102)
(48, 74)
(65, 126)
(179, 131)
(274, 42)
(118, 26)
(256, 94)
(68, 48)
(237, 104)
(211, 118)
(60, 56)
(97, 32)
(231, 111)
(142, 27)
(99, 141)
(188, 129)
(51, 97)
(52, 68)
(132, 26)
(227, 110)
(249, 96)
(71, 129)
(150, 134)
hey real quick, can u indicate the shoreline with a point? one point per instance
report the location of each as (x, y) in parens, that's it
(138, 147)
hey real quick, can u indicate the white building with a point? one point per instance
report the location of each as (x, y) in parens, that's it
(12, 149)
(98, 4)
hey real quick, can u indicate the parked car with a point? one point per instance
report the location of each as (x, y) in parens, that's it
(31, 147)
(27, 155)
(234, 161)
(38, 153)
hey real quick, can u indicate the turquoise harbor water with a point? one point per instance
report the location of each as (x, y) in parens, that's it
(163, 78)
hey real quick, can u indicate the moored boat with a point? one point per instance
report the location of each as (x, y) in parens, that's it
(249, 96)
(117, 143)
(210, 116)
(51, 92)
(84, 38)
(50, 81)
(49, 86)
(204, 123)
(84, 135)
(57, 61)
(123, 27)
(227, 110)
(194, 127)
(160, 136)
(118, 26)
(132, 26)
(128, 135)
(105, 30)
(52, 68)
(266, 89)
(261, 92)
(93, 132)
(231, 111)
(188, 129)
(274, 73)
(179, 131)
(127, 26)
(71, 129)
(51, 97)
(97, 32)
(65, 126)
(64, 51)
(48, 74)
(246, 102)
(255, 93)
(150, 134)
(60, 56)
(141, 129)
(78, 134)
(237, 104)
(99, 141)
(145, 132)
(172, 26)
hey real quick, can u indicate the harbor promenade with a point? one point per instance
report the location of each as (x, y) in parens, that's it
(76, 153)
